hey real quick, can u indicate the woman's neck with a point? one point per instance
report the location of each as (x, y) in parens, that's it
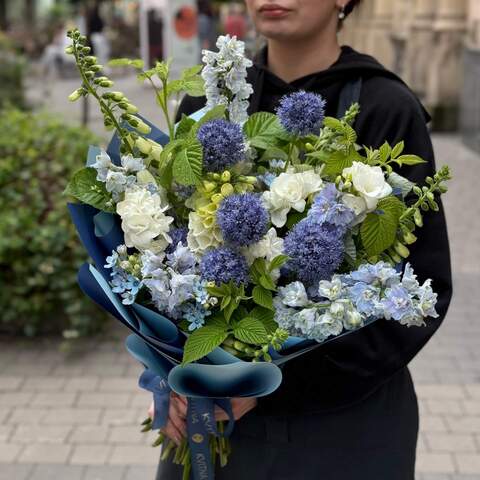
(291, 60)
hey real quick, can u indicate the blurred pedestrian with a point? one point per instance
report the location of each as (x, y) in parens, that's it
(235, 22)
(207, 29)
(96, 34)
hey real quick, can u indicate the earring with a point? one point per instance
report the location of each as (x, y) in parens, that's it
(341, 15)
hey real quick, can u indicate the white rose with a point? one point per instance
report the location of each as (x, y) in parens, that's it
(269, 247)
(289, 190)
(369, 182)
(357, 204)
(143, 220)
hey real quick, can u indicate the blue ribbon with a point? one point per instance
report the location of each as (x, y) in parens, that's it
(201, 424)
(161, 397)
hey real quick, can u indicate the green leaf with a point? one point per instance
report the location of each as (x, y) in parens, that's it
(258, 269)
(278, 262)
(265, 316)
(398, 149)
(338, 161)
(85, 187)
(396, 181)
(184, 127)
(350, 248)
(220, 291)
(195, 87)
(378, 231)
(187, 166)
(230, 308)
(385, 152)
(274, 153)
(174, 86)
(162, 69)
(294, 217)
(263, 297)
(202, 342)
(267, 282)
(333, 123)
(126, 62)
(225, 302)
(409, 160)
(262, 129)
(191, 72)
(251, 330)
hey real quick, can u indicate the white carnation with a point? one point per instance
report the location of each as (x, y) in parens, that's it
(202, 234)
(143, 220)
(369, 182)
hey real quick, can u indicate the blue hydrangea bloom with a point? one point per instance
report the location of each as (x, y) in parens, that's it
(242, 219)
(327, 208)
(223, 144)
(177, 235)
(220, 265)
(315, 250)
(302, 113)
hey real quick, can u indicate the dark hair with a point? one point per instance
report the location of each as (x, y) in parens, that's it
(351, 6)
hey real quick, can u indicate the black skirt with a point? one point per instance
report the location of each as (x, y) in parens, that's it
(374, 439)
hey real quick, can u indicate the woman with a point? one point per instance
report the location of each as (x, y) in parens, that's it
(348, 410)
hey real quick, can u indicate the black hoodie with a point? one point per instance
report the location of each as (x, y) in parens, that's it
(347, 370)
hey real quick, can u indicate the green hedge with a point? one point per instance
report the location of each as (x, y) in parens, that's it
(39, 249)
(12, 70)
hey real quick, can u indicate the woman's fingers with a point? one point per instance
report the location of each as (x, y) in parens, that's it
(171, 431)
(181, 405)
(175, 416)
(240, 406)
(151, 410)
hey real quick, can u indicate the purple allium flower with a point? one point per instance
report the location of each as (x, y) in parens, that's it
(177, 235)
(223, 264)
(243, 219)
(302, 113)
(223, 144)
(315, 250)
(327, 208)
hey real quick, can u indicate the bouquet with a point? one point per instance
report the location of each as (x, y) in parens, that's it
(236, 243)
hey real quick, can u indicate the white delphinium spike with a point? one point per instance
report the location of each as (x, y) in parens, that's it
(225, 76)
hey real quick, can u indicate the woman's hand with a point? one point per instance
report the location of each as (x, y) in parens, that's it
(240, 406)
(176, 427)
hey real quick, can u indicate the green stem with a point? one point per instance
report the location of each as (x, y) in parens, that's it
(103, 106)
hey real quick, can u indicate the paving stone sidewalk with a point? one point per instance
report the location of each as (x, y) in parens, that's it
(76, 416)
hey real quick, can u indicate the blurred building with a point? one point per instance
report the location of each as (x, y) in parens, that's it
(435, 46)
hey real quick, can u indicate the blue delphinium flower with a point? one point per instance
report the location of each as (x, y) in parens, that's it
(366, 299)
(223, 144)
(397, 303)
(223, 264)
(302, 113)
(380, 273)
(177, 235)
(315, 250)
(242, 218)
(327, 208)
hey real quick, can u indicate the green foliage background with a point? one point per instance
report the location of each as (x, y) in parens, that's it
(12, 70)
(39, 249)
